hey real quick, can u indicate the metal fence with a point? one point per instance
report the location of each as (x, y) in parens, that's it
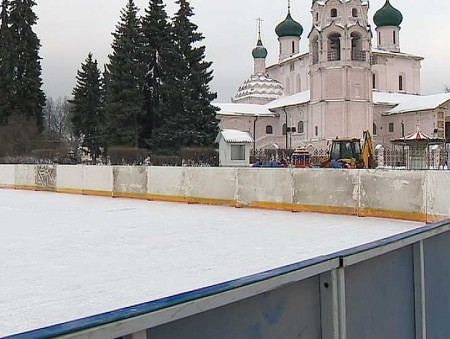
(434, 157)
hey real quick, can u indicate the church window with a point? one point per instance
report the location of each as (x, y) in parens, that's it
(394, 37)
(400, 83)
(317, 130)
(379, 38)
(315, 50)
(391, 127)
(374, 129)
(300, 127)
(354, 13)
(293, 47)
(357, 53)
(333, 12)
(284, 130)
(374, 81)
(269, 129)
(334, 47)
(317, 16)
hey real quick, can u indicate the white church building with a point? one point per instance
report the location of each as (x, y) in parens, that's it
(342, 86)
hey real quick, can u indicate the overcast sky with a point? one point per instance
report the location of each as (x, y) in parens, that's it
(70, 29)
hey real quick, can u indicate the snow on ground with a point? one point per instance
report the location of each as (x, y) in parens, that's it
(64, 257)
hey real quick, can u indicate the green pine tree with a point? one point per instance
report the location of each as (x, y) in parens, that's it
(189, 118)
(158, 48)
(87, 108)
(6, 71)
(29, 99)
(124, 99)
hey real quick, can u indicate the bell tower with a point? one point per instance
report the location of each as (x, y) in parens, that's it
(340, 70)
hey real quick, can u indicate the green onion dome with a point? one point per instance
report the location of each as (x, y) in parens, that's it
(289, 27)
(388, 16)
(259, 52)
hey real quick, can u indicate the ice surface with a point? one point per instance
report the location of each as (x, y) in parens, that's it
(64, 257)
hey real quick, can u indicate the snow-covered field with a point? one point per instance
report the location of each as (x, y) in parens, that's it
(63, 257)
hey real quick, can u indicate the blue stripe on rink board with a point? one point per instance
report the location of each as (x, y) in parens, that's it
(152, 306)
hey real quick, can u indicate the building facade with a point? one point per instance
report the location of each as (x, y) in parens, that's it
(342, 86)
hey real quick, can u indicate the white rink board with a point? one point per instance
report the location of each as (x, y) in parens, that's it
(66, 257)
(69, 177)
(98, 179)
(7, 176)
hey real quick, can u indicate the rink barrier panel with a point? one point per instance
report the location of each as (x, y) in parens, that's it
(407, 195)
(7, 176)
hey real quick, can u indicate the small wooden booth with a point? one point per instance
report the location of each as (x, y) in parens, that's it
(234, 148)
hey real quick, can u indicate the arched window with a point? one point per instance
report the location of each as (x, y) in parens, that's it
(334, 47)
(357, 52)
(284, 129)
(300, 127)
(317, 16)
(379, 38)
(315, 50)
(394, 37)
(333, 12)
(374, 81)
(400, 83)
(269, 129)
(293, 47)
(354, 13)
(374, 129)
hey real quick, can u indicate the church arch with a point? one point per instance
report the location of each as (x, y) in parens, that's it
(358, 53)
(315, 49)
(334, 46)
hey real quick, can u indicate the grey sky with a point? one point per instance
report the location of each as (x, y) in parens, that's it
(69, 29)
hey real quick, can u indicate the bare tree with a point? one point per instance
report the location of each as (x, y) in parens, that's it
(447, 89)
(57, 118)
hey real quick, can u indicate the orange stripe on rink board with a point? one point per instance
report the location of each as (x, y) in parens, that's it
(168, 198)
(130, 195)
(210, 201)
(325, 209)
(269, 205)
(26, 187)
(7, 187)
(97, 193)
(69, 190)
(379, 213)
(432, 218)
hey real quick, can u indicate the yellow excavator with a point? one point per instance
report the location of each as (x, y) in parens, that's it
(349, 153)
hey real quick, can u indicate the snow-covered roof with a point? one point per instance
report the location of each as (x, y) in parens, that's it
(254, 110)
(420, 103)
(299, 55)
(405, 55)
(400, 102)
(387, 98)
(234, 135)
(260, 86)
(291, 100)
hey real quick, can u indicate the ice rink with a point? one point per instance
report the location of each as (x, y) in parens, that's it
(65, 257)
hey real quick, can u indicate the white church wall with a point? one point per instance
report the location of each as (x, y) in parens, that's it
(387, 70)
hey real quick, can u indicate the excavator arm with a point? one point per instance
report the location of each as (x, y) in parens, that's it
(367, 151)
